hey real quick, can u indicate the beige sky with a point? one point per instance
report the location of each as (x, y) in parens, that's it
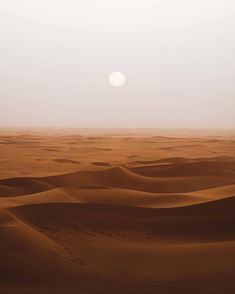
(177, 55)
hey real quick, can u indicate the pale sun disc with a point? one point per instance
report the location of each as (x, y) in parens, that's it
(117, 79)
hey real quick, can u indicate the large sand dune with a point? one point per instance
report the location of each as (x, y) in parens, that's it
(117, 213)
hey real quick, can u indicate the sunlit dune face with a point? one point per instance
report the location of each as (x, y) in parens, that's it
(117, 79)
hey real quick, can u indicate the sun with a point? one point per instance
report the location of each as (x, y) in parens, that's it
(117, 79)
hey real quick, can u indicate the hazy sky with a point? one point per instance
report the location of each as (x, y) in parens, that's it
(178, 57)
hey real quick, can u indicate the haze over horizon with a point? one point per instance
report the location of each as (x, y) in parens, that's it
(177, 55)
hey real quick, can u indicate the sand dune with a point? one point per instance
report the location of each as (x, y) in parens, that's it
(220, 168)
(150, 178)
(103, 216)
(213, 220)
(115, 240)
(52, 195)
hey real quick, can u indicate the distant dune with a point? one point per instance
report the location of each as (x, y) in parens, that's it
(113, 213)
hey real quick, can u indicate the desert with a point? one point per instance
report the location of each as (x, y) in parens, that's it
(117, 211)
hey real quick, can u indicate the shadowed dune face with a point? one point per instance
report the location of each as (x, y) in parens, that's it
(111, 213)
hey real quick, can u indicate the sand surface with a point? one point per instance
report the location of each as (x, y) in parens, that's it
(117, 211)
